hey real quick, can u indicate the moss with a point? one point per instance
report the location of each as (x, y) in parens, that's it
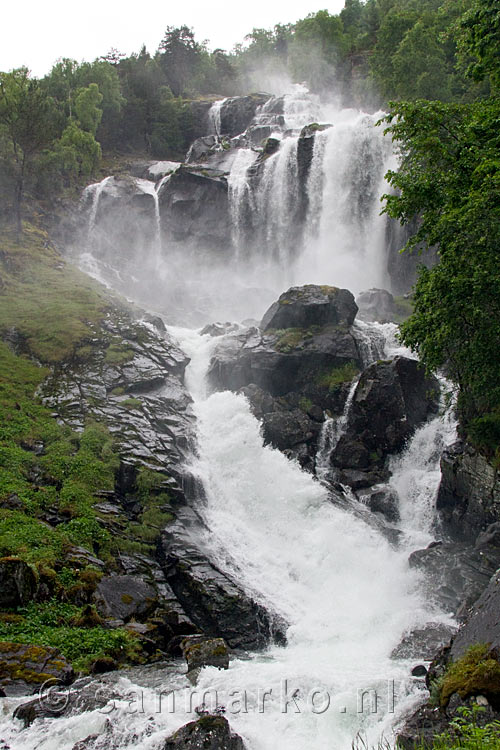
(118, 391)
(477, 672)
(289, 339)
(132, 403)
(127, 599)
(118, 353)
(337, 376)
(305, 404)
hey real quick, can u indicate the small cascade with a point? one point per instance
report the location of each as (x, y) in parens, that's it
(331, 432)
(276, 203)
(416, 473)
(300, 108)
(239, 194)
(151, 189)
(214, 117)
(94, 192)
(371, 341)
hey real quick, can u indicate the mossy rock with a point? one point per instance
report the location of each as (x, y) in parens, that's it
(26, 664)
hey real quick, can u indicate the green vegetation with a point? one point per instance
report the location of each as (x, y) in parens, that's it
(289, 339)
(51, 624)
(338, 376)
(450, 177)
(477, 672)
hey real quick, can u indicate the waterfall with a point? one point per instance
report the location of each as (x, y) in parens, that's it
(331, 432)
(94, 192)
(239, 192)
(347, 594)
(214, 117)
(151, 189)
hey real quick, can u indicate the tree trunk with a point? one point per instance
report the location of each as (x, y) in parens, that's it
(18, 200)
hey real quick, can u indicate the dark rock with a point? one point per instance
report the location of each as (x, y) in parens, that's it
(24, 667)
(203, 148)
(490, 537)
(194, 208)
(457, 573)
(237, 112)
(382, 500)
(12, 502)
(287, 429)
(219, 329)
(311, 305)
(200, 651)
(216, 604)
(419, 671)
(376, 305)
(391, 400)
(424, 643)
(469, 494)
(483, 622)
(18, 583)
(285, 361)
(207, 733)
(124, 597)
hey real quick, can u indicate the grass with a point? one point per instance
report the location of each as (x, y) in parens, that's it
(50, 624)
(51, 306)
(337, 376)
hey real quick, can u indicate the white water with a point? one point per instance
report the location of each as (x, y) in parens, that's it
(346, 593)
(331, 433)
(214, 117)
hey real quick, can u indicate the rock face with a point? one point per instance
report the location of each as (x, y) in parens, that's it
(376, 305)
(311, 305)
(124, 598)
(131, 378)
(23, 668)
(208, 733)
(237, 113)
(469, 494)
(391, 399)
(482, 625)
(194, 208)
(17, 583)
(457, 573)
(215, 603)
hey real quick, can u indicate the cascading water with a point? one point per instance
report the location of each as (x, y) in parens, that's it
(347, 595)
(214, 117)
(330, 435)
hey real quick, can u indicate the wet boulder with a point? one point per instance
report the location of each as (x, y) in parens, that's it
(124, 598)
(24, 667)
(200, 651)
(381, 500)
(469, 494)
(376, 305)
(311, 305)
(18, 583)
(207, 733)
(457, 573)
(482, 624)
(391, 400)
(212, 600)
(194, 208)
(237, 112)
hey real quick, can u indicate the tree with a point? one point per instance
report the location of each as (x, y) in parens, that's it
(31, 121)
(87, 108)
(179, 56)
(450, 177)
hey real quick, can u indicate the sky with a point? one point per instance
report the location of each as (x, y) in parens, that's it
(36, 33)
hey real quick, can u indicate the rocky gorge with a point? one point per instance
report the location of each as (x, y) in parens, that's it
(258, 467)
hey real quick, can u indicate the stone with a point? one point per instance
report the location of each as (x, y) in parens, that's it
(391, 400)
(457, 574)
(25, 667)
(469, 494)
(237, 112)
(376, 305)
(215, 603)
(200, 651)
(123, 597)
(311, 305)
(424, 643)
(207, 733)
(18, 583)
(419, 671)
(483, 622)
(381, 500)
(194, 208)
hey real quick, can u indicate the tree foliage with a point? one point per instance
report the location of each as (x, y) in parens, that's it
(450, 177)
